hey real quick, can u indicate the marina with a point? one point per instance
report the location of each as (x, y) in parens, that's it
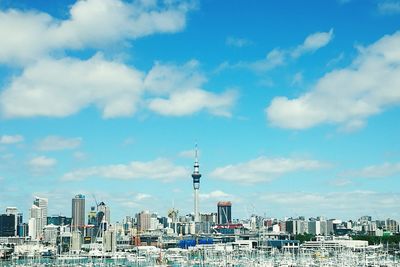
(217, 255)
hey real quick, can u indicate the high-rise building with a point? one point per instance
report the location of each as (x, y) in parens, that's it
(18, 217)
(196, 186)
(224, 212)
(42, 203)
(143, 221)
(36, 223)
(23, 230)
(7, 225)
(38, 218)
(78, 212)
(103, 213)
(92, 216)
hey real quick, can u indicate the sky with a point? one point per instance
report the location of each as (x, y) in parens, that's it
(294, 105)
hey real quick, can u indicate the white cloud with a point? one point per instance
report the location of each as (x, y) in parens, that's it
(59, 88)
(194, 100)
(42, 162)
(278, 57)
(375, 171)
(215, 195)
(274, 59)
(264, 169)
(179, 88)
(51, 143)
(346, 96)
(11, 139)
(313, 42)
(389, 7)
(237, 42)
(159, 169)
(91, 23)
(163, 79)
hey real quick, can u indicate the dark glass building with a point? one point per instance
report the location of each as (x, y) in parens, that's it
(7, 225)
(59, 220)
(224, 212)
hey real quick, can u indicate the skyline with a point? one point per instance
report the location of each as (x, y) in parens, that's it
(294, 106)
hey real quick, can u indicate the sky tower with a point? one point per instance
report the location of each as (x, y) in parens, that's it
(196, 186)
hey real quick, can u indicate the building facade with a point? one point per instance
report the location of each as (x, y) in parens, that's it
(224, 212)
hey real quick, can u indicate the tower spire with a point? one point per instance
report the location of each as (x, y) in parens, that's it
(196, 184)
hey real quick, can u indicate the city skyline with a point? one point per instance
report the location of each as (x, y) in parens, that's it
(294, 106)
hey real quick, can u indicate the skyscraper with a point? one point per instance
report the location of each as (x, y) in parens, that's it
(196, 186)
(38, 218)
(224, 212)
(78, 212)
(42, 203)
(17, 216)
(35, 222)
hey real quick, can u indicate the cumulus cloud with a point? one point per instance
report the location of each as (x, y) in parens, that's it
(59, 88)
(194, 100)
(91, 23)
(346, 96)
(264, 169)
(52, 143)
(42, 162)
(11, 139)
(181, 93)
(386, 169)
(159, 169)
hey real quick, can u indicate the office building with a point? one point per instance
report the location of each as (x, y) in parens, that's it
(143, 221)
(92, 216)
(7, 225)
(78, 213)
(59, 220)
(18, 217)
(224, 212)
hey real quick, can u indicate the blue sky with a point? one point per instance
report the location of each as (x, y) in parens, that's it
(294, 105)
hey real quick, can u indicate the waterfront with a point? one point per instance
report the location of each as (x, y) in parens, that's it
(219, 256)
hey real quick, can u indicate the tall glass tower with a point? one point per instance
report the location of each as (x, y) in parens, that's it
(196, 186)
(78, 213)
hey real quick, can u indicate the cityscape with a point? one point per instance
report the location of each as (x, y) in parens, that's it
(89, 237)
(200, 133)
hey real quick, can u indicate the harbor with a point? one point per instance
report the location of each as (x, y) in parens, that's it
(239, 253)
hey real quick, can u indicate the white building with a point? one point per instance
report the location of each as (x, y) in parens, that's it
(36, 223)
(50, 234)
